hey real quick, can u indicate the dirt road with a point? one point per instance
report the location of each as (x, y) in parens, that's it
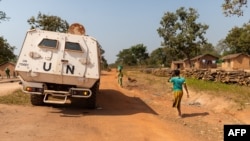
(122, 115)
(8, 87)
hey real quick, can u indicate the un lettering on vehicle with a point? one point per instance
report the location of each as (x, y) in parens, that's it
(70, 69)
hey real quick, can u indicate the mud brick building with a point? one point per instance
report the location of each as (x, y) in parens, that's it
(9, 65)
(236, 61)
(205, 61)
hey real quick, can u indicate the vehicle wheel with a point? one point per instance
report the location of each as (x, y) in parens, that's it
(91, 101)
(36, 100)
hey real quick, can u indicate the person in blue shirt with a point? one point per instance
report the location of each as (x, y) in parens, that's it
(178, 84)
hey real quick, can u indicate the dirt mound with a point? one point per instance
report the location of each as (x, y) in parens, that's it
(216, 104)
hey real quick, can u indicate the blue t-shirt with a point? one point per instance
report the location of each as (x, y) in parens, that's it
(177, 82)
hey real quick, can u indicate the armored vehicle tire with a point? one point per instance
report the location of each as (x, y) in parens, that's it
(91, 102)
(36, 99)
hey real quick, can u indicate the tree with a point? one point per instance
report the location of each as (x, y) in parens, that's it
(135, 55)
(125, 57)
(139, 52)
(238, 39)
(181, 32)
(221, 48)
(3, 16)
(48, 22)
(157, 57)
(104, 61)
(164, 56)
(6, 51)
(209, 49)
(233, 7)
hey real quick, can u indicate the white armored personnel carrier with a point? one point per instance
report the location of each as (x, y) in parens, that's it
(56, 67)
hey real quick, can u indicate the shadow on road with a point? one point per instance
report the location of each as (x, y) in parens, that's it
(195, 114)
(109, 102)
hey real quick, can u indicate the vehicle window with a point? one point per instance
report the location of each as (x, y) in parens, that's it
(48, 43)
(73, 46)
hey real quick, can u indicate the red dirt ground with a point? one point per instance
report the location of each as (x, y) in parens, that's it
(122, 114)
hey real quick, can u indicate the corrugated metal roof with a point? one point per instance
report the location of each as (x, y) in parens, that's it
(200, 56)
(7, 62)
(178, 62)
(231, 56)
(192, 59)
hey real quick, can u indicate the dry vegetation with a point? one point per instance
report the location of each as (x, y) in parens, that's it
(16, 98)
(159, 86)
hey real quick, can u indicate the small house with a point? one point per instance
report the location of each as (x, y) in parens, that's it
(177, 65)
(3, 67)
(235, 61)
(205, 61)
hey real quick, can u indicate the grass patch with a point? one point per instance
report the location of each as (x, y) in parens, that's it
(16, 98)
(237, 93)
(240, 94)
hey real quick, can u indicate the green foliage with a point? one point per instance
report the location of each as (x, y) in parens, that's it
(126, 57)
(103, 60)
(221, 48)
(48, 22)
(135, 55)
(233, 7)
(3, 16)
(164, 56)
(6, 51)
(238, 39)
(104, 65)
(181, 32)
(157, 57)
(209, 49)
(139, 51)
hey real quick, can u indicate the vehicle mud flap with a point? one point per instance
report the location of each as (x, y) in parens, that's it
(91, 101)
